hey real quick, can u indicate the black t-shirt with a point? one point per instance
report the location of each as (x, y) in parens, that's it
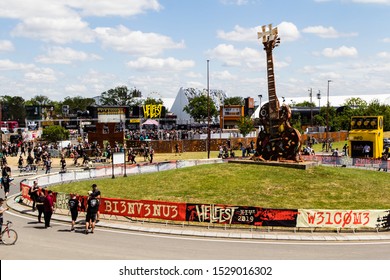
(93, 205)
(73, 204)
(6, 171)
(96, 192)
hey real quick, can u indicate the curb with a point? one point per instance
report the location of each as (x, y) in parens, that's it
(205, 232)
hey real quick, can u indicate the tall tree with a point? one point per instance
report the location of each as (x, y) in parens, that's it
(235, 100)
(119, 96)
(78, 103)
(198, 108)
(245, 125)
(153, 101)
(12, 108)
(39, 100)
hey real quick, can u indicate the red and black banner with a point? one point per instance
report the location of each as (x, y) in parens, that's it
(225, 214)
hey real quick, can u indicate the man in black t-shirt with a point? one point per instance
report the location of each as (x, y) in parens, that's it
(6, 174)
(97, 194)
(92, 210)
(74, 204)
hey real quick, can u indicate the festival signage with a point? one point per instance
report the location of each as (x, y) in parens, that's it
(111, 115)
(225, 214)
(343, 218)
(146, 209)
(152, 111)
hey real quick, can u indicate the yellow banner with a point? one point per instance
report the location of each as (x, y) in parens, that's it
(152, 111)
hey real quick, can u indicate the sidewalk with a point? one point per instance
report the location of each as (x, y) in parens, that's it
(208, 232)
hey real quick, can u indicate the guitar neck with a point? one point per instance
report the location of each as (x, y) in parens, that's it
(273, 100)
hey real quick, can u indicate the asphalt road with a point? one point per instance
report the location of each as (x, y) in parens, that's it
(58, 243)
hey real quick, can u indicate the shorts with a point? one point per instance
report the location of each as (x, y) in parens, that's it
(74, 215)
(90, 217)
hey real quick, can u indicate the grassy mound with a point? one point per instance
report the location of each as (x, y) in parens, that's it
(251, 185)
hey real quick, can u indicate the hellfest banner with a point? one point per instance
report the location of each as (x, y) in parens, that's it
(227, 214)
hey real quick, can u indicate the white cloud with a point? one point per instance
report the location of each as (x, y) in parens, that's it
(61, 8)
(239, 34)
(8, 65)
(41, 75)
(224, 76)
(168, 64)
(114, 8)
(60, 21)
(235, 57)
(384, 54)
(135, 42)
(343, 51)
(6, 46)
(387, 2)
(326, 32)
(234, 2)
(60, 55)
(58, 30)
(287, 31)
(76, 89)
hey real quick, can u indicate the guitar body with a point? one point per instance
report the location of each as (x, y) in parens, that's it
(278, 140)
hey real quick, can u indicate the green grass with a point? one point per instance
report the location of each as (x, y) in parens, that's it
(251, 185)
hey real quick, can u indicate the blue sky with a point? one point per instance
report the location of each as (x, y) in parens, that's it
(83, 47)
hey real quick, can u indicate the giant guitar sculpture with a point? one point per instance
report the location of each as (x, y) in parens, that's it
(278, 140)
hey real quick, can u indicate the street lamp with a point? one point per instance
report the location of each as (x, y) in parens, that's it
(311, 106)
(327, 117)
(319, 99)
(260, 97)
(208, 110)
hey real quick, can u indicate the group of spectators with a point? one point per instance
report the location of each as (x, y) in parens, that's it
(155, 134)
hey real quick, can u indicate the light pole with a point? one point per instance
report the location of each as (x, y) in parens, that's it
(208, 110)
(327, 117)
(319, 99)
(311, 106)
(260, 97)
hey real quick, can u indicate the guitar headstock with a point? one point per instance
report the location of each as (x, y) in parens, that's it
(270, 37)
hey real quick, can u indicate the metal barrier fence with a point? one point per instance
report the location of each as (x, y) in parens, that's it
(345, 161)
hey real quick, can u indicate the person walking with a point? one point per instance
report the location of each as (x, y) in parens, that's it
(92, 210)
(48, 205)
(96, 192)
(74, 204)
(40, 204)
(384, 159)
(151, 154)
(6, 174)
(33, 193)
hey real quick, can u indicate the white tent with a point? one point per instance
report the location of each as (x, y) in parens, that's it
(151, 122)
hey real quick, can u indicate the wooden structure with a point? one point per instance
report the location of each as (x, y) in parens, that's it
(106, 132)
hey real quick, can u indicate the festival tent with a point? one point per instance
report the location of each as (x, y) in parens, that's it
(151, 122)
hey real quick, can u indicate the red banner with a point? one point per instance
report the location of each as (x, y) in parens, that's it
(143, 209)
